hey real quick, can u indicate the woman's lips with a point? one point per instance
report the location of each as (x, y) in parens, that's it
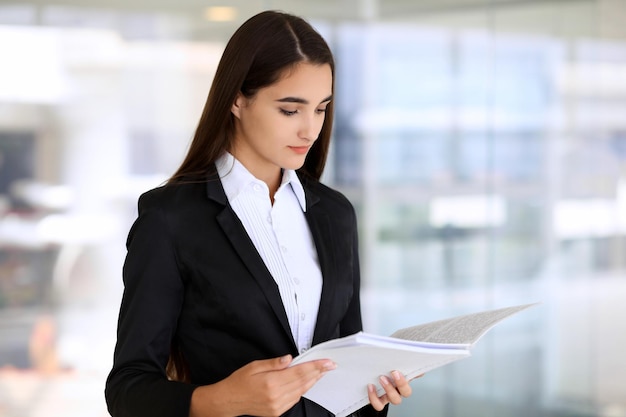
(301, 150)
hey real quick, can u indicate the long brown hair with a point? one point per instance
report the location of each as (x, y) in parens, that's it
(259, 52)
(257, 55)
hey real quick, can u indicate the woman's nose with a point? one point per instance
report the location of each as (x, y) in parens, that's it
(311, 127)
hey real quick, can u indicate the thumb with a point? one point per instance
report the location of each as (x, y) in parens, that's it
(274, 364)
(283, 361)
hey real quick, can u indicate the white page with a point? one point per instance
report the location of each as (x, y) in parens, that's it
(359, 364)
(363, 357)
(462, 330)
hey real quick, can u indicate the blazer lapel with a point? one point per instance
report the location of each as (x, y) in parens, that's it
(250, 257)
(319, 224)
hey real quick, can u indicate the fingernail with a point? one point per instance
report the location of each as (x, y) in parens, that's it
(371, 387)
(384, 380)
(396, 375)
(330, 365)
(285, 358)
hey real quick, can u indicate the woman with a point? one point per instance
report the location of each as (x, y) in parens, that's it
(244, 259)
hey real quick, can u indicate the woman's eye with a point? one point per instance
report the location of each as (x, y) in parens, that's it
(288, 112)
(322, 110)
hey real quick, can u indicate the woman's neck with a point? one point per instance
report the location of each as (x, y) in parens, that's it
(271, 175)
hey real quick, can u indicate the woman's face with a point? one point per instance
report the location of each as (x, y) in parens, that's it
(276, 127)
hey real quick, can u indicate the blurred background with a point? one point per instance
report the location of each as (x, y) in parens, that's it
(483, 144)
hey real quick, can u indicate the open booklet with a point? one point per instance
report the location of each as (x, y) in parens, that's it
(361, 358)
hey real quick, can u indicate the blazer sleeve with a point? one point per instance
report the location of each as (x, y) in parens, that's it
(153, 294)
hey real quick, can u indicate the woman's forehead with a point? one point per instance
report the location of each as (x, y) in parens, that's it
(310, 82)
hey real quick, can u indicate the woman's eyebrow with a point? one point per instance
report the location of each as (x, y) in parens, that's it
(301, 100)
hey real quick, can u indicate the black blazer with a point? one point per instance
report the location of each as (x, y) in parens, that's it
(192, 276)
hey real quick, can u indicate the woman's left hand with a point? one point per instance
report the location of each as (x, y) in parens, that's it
(396, 387)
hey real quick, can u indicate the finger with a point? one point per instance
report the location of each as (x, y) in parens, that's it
(308, 373)
(392, 394)
(316, 366)
(298, 379)
(267, 365)
(401, 383)
(378, 403)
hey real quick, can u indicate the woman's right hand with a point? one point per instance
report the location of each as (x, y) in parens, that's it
(261, 388)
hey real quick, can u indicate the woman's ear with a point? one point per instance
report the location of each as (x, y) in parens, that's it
(237, 105)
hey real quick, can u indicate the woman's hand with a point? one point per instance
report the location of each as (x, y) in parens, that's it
(395, 388)
(261, 388)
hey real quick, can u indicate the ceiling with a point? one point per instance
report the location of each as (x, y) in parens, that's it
(334, 9)
(186, 18)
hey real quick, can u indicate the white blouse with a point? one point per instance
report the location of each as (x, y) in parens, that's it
(282, 237)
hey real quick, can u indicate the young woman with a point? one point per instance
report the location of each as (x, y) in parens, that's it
(244, 259)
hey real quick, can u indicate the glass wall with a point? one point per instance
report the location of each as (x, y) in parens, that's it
(482, 145)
